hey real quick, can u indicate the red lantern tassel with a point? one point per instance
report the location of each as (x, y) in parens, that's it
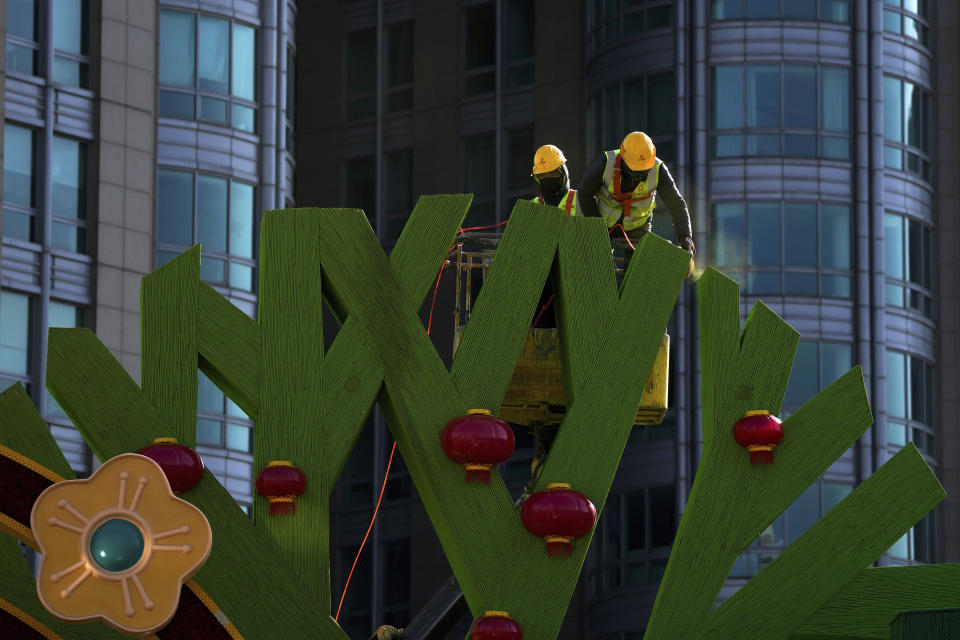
(761, 455)
(478, 473)
(282, 507)
(558, 546)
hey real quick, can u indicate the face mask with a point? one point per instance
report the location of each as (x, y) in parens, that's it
(551, 185)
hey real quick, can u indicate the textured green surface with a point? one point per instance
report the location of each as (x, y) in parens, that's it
(23, 430)
(245, 574)
(866, 606)
(831, 553)
(289, 426)
(498, 564)
(732, 501)
(168, 339)
(943, 624)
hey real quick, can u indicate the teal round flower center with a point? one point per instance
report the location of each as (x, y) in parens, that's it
(116, 545)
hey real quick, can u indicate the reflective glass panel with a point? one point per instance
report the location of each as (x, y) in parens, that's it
(800, 231)
(21, 59)
(729, 234)
(18, 165)
(69, 178)
(212, 213)
(728, 108)
(837, 359)
(213, 270)
(209, 431)
(243, 118)
(893, 246)
(799, 96)
(14, 333)
(209, 396)
(762, 10)
(803, 383)
(70, 72)
(727, 9)
(175, 208)
(891, 21)
(834, 99)
(835, 236)
(519, 30)
(213, 109)
(241, 219)
(913, 115)
(22, 19)
(174, 104)
(892, 110)
(70, 26)
(763, 96)
(800, 10)
(663, 106)
(244, 62)
(17, 224)
(834, 11)
(213, 54)
(177, 48)
(239, 437)
(803, 513)
(896, 385)
(763, 233)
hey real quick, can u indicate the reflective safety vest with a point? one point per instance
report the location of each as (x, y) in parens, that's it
(636, 207)
(568, 203)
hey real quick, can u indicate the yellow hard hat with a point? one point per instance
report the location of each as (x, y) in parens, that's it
(638, 151)
(547, 158)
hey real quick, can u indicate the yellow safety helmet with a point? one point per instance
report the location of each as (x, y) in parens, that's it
(638, 151)
(547, 158)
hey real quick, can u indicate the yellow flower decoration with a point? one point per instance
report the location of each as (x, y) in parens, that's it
(117, 546)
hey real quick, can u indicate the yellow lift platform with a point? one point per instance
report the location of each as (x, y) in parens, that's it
(535, 395)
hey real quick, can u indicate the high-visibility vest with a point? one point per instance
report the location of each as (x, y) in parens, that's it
(568, 203)
(636, 207)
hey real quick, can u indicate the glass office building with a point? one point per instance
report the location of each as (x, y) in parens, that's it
(814, 141)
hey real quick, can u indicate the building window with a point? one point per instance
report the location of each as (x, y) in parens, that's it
(785, 248)
(819, 498)
(361, 75)
(356, 614)
(910, 402)
(823, 10)
(815, 366)
(633, 539)
(16, 328)
(355, 482)
(70, 39)
(789, 110)
(396, 583)
(647, 103)
(399, 66)
(216, 212)
(906, 127)
(910, 18)
(220, 422)
(69, 316)
(19, 182)
(360, 190)
(480, 54)
(207, 70)
(519, 150)
(613, 20)
(290, 111)
(69, 195)
(908, 260)
(919, 544)
(398, 168)
(479, 178)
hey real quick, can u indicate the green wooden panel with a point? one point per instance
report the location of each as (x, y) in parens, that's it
(352, 372)
(937, 624)
(168, 343)
(501, 318)
(244, 566)
(732, 501)
(291, 400)
(831, 553)
(867, 605)
(229, 345)
(718, 315)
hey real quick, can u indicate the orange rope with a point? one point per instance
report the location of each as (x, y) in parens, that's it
(625, 236)
(386, 474)
(541, 312)
(493, 226)
(437, 286)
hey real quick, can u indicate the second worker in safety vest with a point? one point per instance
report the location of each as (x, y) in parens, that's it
(553, 180)
(626, 182)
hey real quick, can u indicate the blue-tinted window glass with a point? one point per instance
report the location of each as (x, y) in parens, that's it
(891, 21)
(244, 57)
(175, 104)
(175, 208)
(799, 96)
(18, 165)
(896, 385)
(14, 333)
(212, 213)
(213, 109)
(727, 9)
(22, 19)
(892, 110)
(635, 103)
(213, 55)
(835, 236)
(803, 383)
(70, 26)
(241, 220)
(803, 513)
(729, 233)
(763, 96)
(209, 396)
(763, 233)
(833, 494)
(800, 231)
(800, 10)
(762, 10)
(519, 30)
(913, 115)
(837, 359)
(663, 105)
(763, 144)
(243, 118)
(835, 11)
(69, 178)
(728, 108)
(209, 432)
(177, 48)
(834, 99)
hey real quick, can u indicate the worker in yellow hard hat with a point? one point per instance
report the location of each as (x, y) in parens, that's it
(625, 182)
(553, 180)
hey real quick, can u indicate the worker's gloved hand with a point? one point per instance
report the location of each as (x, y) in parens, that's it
(686, 243)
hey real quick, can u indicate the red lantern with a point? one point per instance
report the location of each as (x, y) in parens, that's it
(558, 515)
(759, 432)
(281, 483)
(495, 625)
(181, 464)
(478, 441)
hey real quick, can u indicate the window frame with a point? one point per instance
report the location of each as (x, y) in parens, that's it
(913, 429)
(818, 12)
(904, 150)
(232, 101)
(597, 110)
(598, 21)
(231, 415)
(921, 18)
(501, 75)
(34, 211)
(906, 286)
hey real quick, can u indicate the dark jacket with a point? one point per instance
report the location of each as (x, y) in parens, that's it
(666, 190)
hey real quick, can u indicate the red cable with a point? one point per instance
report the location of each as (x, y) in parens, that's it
(625, 236)
(541, 312)
(386, 473)
(490, 227)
